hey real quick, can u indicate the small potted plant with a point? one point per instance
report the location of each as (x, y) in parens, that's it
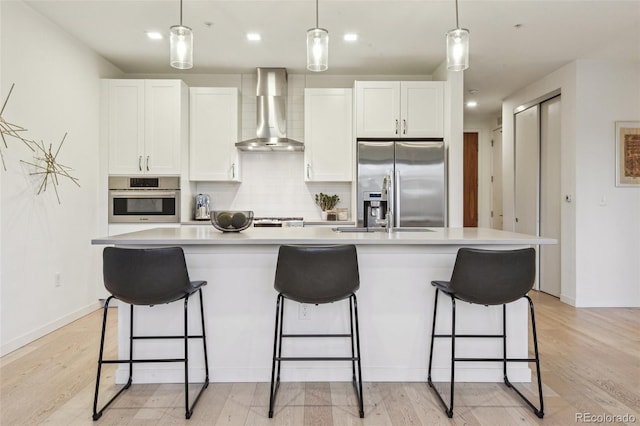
(327, 203)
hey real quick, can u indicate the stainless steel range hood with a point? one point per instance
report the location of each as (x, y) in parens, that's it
(271, 94)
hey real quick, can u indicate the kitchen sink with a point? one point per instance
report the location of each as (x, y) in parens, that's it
(412, 230)
(356, 229)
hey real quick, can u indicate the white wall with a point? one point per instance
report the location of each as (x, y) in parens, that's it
(56, 90)
(454, 141)
(606, 216)
(600, 243)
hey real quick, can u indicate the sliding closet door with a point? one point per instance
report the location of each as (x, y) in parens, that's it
(537, 185)
(527, 170)
(550, 195)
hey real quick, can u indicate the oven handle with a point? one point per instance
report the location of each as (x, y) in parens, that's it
(143, 194)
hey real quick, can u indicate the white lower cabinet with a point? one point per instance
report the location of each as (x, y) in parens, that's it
(214, 129)
(328, 136)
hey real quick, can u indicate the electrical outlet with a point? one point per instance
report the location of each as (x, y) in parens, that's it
(56, 279)
(303, 312)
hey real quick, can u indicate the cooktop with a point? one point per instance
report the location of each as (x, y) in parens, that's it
(277, 222)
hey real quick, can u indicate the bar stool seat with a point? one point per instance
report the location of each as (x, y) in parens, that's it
(148, 277)
(317, 275)
(488, 277)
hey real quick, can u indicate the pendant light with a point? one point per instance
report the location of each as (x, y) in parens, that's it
(317, 47)
(458, 47)
(181, 43)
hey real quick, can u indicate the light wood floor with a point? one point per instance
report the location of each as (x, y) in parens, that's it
(590, 364)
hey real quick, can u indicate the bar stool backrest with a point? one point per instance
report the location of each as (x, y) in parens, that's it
(493, 277)
(317, 274)
(146, 276)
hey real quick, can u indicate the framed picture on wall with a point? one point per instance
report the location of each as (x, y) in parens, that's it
(627, 153)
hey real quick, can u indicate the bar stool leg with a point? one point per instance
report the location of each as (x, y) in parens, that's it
(433, 332)
(189, 408)
(277, 343)
(504, 345)
(538, 411)
(448, 409)
(130, 347)
(204, 341)
(188, 412)
(353, 301)
(353, 352)
(97, 414)
(453, 353)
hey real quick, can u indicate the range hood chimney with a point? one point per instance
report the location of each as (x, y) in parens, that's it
(271, 96)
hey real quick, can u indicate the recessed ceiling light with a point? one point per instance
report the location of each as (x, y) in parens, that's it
(350, 37)
(154, 35)
(253, 37)
(472, 104)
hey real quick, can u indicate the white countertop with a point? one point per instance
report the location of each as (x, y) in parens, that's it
(306, 222)
(203, 235)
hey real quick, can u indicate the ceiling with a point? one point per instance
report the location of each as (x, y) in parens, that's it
(513, 42)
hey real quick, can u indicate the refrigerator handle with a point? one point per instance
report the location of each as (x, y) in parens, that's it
(396, 200)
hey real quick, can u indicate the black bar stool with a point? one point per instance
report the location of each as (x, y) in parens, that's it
(488, 277)
(150, 277)
(317, 275)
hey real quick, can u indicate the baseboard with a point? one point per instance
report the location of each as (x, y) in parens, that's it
(19, 342)
(568, 300)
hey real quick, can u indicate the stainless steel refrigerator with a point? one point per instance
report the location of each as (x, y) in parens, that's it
(418, 171)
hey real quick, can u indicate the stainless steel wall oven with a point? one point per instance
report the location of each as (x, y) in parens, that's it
(144, 199)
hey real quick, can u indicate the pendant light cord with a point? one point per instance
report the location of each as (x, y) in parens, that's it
(457, 24)
(317, 26)
(181, 11)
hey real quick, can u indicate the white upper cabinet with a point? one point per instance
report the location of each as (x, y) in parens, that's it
(214, 130)
(377, 109)
(399, 109)
(125, 126)
(421, 109)
(145, 131)
(328, 137)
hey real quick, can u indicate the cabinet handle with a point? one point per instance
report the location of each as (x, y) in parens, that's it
(233, 170)
(139, 162)
(308, 171)
(404, 127)
(396, 201)
(396, 126)
(147, 163)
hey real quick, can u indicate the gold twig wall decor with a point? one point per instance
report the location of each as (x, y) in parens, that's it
(49, 167)
(10, 129)
(46, 161)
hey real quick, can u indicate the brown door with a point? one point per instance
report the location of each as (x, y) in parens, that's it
(470, 168)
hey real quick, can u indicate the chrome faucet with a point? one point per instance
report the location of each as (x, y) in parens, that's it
(387, 197)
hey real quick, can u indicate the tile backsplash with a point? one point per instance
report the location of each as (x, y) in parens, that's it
(273, 185)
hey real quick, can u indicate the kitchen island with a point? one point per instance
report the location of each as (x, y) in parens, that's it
(395, 302)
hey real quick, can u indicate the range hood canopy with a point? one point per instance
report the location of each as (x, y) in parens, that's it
(271, 96)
